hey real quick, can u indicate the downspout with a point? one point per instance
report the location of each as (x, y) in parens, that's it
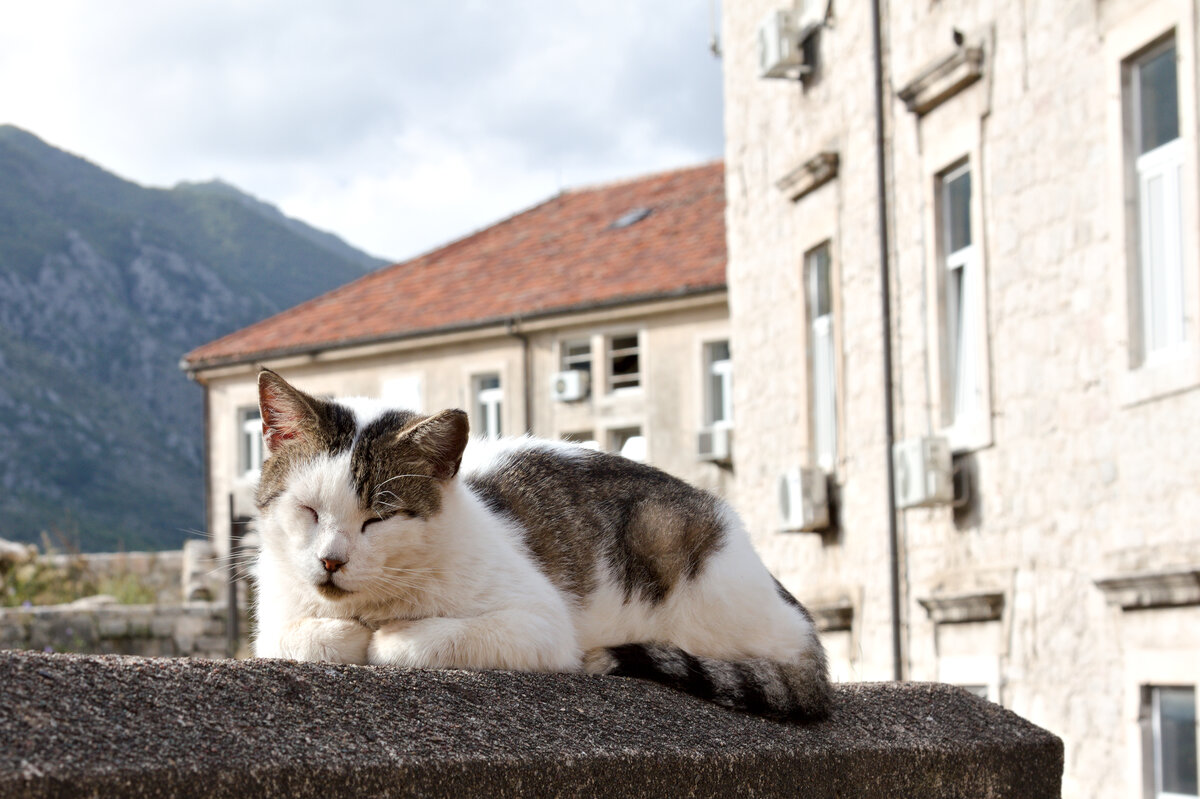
(885, 299)
(514, 325)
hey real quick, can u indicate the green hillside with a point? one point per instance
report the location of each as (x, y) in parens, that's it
(104, 284)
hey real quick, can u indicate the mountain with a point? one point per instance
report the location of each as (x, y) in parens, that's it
(104, 284)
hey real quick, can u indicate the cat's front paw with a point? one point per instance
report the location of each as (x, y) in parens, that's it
(417, 643)
(329, 640)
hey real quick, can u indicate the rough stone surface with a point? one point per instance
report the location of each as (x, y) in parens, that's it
(80, 726)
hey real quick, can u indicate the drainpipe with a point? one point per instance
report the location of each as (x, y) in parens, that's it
(514, 325)
(885, 299)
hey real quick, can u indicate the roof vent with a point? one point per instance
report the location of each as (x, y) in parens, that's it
(631, 218)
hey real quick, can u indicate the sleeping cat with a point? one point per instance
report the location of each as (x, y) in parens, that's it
(389, 538)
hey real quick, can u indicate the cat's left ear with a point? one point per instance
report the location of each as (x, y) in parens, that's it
(440, 440)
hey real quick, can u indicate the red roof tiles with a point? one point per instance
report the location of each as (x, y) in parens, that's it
(562, 254)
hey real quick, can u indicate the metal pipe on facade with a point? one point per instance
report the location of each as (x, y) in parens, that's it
(885, 295)
(526, 366)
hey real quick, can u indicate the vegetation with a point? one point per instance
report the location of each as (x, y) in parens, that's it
(55, 581)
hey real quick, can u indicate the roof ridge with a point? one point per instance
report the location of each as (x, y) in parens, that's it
(616, 182)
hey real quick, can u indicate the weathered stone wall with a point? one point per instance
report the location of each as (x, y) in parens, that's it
(131, 727)
(193, 629)
(1087, 467)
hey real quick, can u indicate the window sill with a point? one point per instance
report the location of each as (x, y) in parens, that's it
(968, 434)
(1162, 378)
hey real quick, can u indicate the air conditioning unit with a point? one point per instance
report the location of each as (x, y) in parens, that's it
(781, 38)
(924, 472)
(804, 499)
(570, 385)
(715, 444)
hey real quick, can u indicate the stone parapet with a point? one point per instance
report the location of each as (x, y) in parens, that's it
(119, 726)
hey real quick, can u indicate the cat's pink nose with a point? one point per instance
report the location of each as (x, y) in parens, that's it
(332, 565)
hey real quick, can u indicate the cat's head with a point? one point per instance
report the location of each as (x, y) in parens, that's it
(348, 491)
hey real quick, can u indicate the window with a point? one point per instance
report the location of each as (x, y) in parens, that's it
(963, 385)
(624, 362)
(1157, 150)
(629, 442)
(823, 379)
(489, 397)
(1172, 740)
(584, 438)
(577, 355)
(250, 443)
(718, 385)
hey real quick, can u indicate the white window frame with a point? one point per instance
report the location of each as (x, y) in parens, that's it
(1159, 268)
(611, 354)
(567, 361)
(1141, 376)
(962, 322)
(722, 371)
(1153, 746)
(822, 362)
(250, 451)
(489, 404)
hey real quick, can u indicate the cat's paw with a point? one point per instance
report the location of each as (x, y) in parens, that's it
(417, 643)
(329, 640)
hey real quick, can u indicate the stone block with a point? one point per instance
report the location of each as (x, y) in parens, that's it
(278, 728)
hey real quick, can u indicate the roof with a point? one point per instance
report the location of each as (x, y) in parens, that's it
(570, 252)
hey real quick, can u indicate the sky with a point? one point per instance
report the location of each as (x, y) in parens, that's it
(398, 125)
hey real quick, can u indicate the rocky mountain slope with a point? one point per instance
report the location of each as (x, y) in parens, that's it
(104, 284)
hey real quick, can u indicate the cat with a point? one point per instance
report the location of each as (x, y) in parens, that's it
(389, 537)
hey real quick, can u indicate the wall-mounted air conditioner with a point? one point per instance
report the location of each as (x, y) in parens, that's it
(924, 472)
(804, 499)
(715, 444)
(570, 385)
(781, 38)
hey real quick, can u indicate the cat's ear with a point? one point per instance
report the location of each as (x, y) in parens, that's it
(288, 414)
(440, 440)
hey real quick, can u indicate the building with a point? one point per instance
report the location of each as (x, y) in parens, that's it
(598, 316)
(1039, 174)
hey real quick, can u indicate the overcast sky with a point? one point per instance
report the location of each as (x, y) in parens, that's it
(397, 125)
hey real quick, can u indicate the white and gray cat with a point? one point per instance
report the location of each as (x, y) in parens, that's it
(388, 537)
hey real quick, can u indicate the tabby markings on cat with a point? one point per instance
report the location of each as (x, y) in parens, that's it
(390, 537)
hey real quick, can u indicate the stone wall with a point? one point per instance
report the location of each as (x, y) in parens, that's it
(194, 629)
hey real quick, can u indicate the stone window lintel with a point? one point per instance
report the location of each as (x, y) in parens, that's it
(939, 81)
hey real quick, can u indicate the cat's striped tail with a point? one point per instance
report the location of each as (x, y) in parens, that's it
(797, 690)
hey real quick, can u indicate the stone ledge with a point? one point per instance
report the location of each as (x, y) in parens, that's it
(80, 725)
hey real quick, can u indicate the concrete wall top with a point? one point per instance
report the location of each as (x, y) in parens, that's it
(118, 726)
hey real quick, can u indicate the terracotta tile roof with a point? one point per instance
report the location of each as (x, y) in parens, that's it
(560, 255)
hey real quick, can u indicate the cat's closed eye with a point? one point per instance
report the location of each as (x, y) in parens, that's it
(311, 512)
(407, 514)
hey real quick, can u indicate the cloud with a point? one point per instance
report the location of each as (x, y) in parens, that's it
(396, 125)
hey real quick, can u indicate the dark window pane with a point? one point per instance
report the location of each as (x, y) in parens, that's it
(1158, 100)
(956, 197)
(820, 301)
(1177, 753)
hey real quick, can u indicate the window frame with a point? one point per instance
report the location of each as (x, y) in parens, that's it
(249, 440)
(821, 332)
(611, 353)
(1164, 163)
(721, 370)
(1152, 744)
(1128, 38)
(488, 404)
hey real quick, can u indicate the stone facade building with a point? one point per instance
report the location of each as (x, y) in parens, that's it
(1040, 194)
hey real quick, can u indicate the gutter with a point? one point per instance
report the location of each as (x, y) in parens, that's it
(885, 299)
(513, 328)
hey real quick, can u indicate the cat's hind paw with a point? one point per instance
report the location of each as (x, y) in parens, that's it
(599, 661)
